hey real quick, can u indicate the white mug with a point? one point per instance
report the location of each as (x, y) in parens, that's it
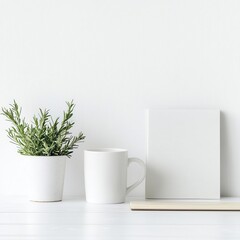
(105, 174)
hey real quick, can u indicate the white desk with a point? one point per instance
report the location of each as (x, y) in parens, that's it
(75, 219)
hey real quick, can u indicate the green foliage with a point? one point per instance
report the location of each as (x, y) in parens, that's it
(44, 136)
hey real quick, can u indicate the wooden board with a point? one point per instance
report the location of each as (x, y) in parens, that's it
(185, 205)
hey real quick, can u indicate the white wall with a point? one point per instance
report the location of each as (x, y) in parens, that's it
(115, 58)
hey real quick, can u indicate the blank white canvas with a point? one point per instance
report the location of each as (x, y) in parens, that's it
(183, 154)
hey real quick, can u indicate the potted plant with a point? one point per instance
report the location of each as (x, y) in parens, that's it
(46, 144)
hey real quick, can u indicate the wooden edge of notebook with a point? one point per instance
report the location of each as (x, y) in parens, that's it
(185, 206)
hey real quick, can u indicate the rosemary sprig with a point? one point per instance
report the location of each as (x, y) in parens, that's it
(43, 136)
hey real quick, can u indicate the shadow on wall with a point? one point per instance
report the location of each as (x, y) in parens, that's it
(74, 175)
(225, 154)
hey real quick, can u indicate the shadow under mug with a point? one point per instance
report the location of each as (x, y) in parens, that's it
(105, 175)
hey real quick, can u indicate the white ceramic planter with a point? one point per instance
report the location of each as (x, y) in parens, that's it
(45, 177)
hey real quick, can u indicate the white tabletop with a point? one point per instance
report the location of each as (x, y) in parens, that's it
(75, 219)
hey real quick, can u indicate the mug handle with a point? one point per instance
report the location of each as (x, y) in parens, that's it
(142, 165)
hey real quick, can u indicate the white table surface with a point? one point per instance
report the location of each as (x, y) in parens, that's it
(75, 219)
